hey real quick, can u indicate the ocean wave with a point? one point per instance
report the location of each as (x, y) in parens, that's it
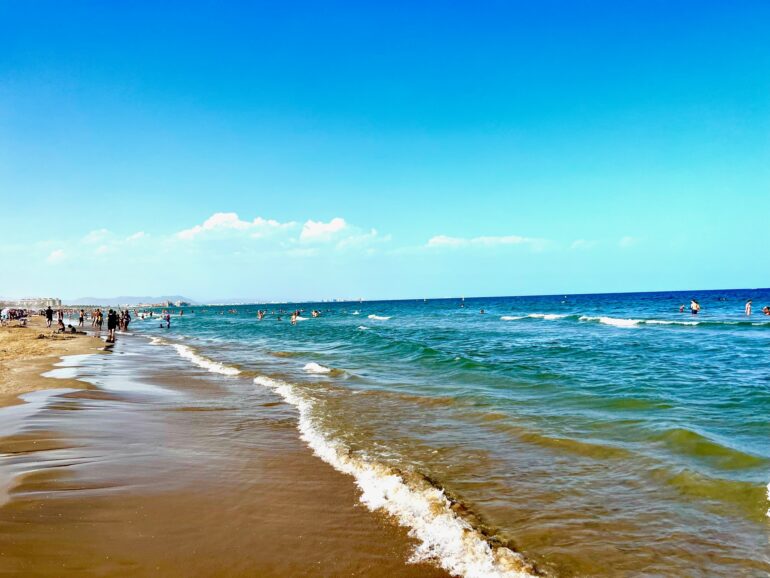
(314, 367)
(512, 317)
(355, 313)
(547, 316)
(362, 327)
(204, 362)
(378, 317)
(444, 537)
(622, 322)
(665, 322)
(614, 321)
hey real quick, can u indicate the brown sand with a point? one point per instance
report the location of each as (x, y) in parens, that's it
(26, 352)
(106, 484)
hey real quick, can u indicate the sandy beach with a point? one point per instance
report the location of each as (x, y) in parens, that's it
(27, 352)
(130, 463)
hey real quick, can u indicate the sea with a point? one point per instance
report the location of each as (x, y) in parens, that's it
(564, 435)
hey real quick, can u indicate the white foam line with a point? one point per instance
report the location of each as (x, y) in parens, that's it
(199, 360)
(444, 538)
(512, 317)
(547, 316)
(664, 322)
(314, 367)
(204, 362)
(613, 321)
(378, 317)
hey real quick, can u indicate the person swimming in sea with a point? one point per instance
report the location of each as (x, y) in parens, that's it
(694, 307)
(747, 309)
(766, 310)
(681, 308)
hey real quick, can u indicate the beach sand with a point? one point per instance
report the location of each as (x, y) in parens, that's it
(165, 471)
(27, 352)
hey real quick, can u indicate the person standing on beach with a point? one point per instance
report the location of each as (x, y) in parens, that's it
(112, 324)
(98, 321)
(48, 316)
(748, 307)
(81, 317)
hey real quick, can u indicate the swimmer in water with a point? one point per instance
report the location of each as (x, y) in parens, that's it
(747, 309)
(694, 307)
(681, 308)
(766, 310)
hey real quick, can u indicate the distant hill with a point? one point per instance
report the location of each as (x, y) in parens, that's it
(128, 300)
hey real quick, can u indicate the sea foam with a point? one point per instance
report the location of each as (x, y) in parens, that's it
(314, 367)
(444, 537)
(512, 317)
(547, 316)
(378, 317)
(614, 321)
(204, 362)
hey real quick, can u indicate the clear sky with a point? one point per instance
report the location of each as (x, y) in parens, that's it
(301, 150)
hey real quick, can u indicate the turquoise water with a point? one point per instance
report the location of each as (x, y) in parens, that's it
(595, 434)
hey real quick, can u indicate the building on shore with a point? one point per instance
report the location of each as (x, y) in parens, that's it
(33, 303)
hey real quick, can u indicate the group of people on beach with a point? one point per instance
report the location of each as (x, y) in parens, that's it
(116, 320)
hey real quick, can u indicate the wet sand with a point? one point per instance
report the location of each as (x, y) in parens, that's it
(27, 352)
(166, 470)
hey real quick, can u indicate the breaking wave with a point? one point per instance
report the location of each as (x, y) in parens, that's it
(314, 367)
(197, 359)
(444, 538)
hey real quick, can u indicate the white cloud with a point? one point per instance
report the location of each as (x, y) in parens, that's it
(583, 244)
(56, 256)
(483, 241)
(628, 241)
(259, 227)
(318, 231)
(102, 250)
(136, 236)
(96, 236)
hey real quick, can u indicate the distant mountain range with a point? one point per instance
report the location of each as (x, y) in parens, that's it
(128, 300)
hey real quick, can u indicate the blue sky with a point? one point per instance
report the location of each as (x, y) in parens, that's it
(381, 150)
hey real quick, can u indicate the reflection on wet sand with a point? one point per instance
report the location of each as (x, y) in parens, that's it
(210, 482)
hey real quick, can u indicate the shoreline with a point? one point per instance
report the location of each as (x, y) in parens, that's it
(26, 353)
(301, 516)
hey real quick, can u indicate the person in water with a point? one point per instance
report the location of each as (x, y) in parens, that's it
(766, 310)
(681, 308)
(748, 307)
(694, 307)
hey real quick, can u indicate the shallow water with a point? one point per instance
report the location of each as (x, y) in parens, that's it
(166, 470)
(597, 434)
